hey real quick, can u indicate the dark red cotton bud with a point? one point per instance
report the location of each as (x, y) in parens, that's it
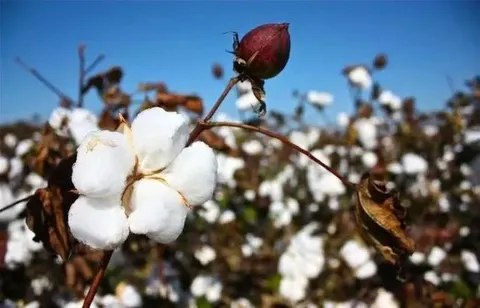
(217, 71)
(263, 52)
(380, 61)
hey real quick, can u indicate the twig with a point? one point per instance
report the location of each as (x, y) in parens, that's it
(283, 139)
(200, 128)
(15, 203)
(42, 79)
(94, 64)
(81, 74)
(97, 279)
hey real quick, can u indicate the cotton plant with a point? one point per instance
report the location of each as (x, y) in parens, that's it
(74, 122)
(207, 286)
(141, 179)
(20, 245)
(319, 99)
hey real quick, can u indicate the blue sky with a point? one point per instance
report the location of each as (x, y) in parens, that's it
(177, 42)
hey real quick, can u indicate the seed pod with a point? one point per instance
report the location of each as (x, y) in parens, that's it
(263, 52)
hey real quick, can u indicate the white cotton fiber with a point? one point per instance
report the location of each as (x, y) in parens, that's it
(104, 160)
(99, 223)
(159, 136)
(194, 173)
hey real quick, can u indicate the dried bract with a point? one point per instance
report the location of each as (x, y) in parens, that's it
(381, 220)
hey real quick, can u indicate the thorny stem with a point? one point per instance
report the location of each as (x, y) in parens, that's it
(283, 139)
(97, 279)
(200, 128)
(81, 76)
(15, 203)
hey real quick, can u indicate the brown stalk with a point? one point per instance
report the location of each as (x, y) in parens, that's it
(94, 64)
(283, 139)
(15, 203)
(97, 279)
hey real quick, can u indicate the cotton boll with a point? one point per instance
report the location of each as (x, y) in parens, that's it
(319, 98)
(17, 253)
(244, 87)
(343, 119)
(81, 123)
(366, 270)
(252, 147)
(385, 299)
(354, 254)
(293, 289)
(226, 217)
(247, 101)
(194, 173)
(158, 211)
(369, 159)
(58, 118)
(130, 297)
(35, 181)
(414, 164)
(10, 140)
(6, 197)
(3, 165)
(104, 160)
(99, 223)
(159, 136)
(367, 133)
(23, 147)
(470, 261)
(205, 255)
(436, 256)
(16, 167)
(210, 211)
(360, 77)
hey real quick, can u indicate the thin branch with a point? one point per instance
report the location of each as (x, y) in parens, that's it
(283, 139)
(97, 279)
(42, 79)
(200, 128)
(15, 203)
(81, 74)
(94, 64)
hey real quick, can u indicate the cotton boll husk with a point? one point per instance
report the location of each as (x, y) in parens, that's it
(159, 136)
(104, 160)
(100, 223)
(194, 173)
(158, 211)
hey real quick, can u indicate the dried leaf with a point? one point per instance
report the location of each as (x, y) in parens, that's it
(259, 92)
(47, 211)
(213, 140)
(381, 220)
(193, 104)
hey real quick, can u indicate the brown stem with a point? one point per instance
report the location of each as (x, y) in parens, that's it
(15, 203)
(97, 279)
(200, 128)
(81, 74)
(283, 139)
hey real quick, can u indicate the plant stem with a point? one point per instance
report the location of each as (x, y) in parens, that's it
(200, 128)
(283, 139)
(81, 74)
(95, 62)
(15, 203)
(97, 279)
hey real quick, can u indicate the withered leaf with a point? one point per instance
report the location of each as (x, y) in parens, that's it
(381, 220)
(47, 210)
(259, 92)
(108, 121)
(172, 101)
(214, 141)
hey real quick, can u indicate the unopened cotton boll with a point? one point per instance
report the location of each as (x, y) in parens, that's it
(158, 211)
(159, 136)
(193, 173)
(104, 160)
(100, 223)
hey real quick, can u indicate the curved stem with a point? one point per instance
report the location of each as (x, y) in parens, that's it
(200, 128)
(281, 138)
(15, 203)
(97, 279)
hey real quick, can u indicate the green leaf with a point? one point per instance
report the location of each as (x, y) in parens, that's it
(202, 302)
(250, 215)
(273, 282)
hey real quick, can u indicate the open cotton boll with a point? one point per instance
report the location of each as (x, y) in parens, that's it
(413, 163)
(246, 101)
(4, 164)
(104, 160)
(319, 98)
(16, 167)
(293, 289)
(100, 223)
(159, 136)
(23, 147)
(58, 118)
(367, 132)
(82, 122)
(158, 211)
(10, 140)
(244, 87)
(193, 173)
(387, 98)
(360, 77)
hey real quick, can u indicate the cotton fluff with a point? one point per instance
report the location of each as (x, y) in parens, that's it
(81, 122)
(302, 260)
(227, 217)
(205, 255)
(385, 299)
(209, 211)
(3, 165)
(10, 140)
(320, 99)
(343, 119)
(360, 77)
(23, 147)
(252, 245)
(369, 159)
(470, 261)
(163, 188)
(358, 258)
(103, 163)
(207, 286)
(58, 120)
(226, 169)
(413, 163)
(20, 245)
(387, 98)
(367, 132)
(252, 147)
(246, 101)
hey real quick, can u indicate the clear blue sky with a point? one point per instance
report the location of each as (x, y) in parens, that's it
(177, 42)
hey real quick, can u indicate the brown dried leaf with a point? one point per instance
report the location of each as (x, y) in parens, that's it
(381, 220)
(259, 92)
(213, 140)
(160, 87)
(193, 104)
(110, 122)
(47, 210)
